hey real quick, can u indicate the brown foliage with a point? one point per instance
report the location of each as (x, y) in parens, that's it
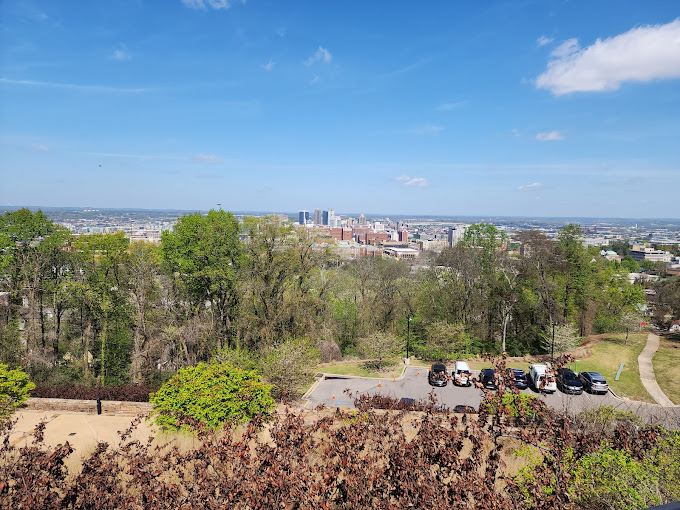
(347, 459)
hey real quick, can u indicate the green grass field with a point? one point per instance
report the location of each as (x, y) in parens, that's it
(607, 355)
(360, 369)
(666, 362)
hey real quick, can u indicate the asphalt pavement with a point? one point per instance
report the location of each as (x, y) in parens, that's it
(330, 391)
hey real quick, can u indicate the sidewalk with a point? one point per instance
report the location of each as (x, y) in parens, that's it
(647, 371)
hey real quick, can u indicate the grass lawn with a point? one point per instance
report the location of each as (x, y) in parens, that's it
(607, 355)
(361, 369)
(666, 362)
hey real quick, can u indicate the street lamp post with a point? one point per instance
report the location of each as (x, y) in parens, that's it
(408, 337)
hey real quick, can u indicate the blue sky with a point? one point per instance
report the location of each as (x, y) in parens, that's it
(538, 108)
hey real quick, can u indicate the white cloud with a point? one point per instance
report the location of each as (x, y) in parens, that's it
(543, 40)
(417, 182)
(447, 107)
(642, 54)
(314, 80)
(516, 132)
(426, 129)
(268, 66)
(321, 55)
(120, 55)
(214, 4)
(549, 136)
(208, 158)
(534, 186)
(74, 86)
(40, 147)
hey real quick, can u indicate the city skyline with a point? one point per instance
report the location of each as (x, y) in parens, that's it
(532, 109)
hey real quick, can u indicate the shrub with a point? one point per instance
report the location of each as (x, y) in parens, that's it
(515, 405)
(211, 394)
(607, 415)
(611, 478)
(15, 388)
(123, 392)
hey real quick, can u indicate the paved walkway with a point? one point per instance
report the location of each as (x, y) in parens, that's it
(647, 371)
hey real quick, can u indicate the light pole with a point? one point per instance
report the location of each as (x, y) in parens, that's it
(408, 337)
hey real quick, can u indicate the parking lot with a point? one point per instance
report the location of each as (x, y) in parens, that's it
(330, 391)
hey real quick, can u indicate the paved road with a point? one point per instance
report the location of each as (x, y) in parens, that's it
(414, 384)
(647, 371)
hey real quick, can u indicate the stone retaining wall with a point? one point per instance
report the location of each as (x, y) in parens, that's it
(109, 407)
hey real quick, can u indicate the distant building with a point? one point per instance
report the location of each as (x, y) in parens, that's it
(640, 253)
(303, 216)
(401, 253)
(403, 236)
(455, 234)
(324, 218)
(317, 217)
(433, 244)
(362, 220)
(611, 255)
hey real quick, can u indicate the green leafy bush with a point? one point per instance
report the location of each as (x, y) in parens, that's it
(516, 405)
(212, 394)
(15, 388)
(610, 478)
(606, 415)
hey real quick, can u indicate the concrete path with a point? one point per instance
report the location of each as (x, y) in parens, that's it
(647, 371)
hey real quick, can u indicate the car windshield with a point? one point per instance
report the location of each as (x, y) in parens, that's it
(438, 368)
(463, 371)
(598, 379)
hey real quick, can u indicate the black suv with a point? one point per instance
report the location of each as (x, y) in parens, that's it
(438, 376)
(567, 382)
(486, 377)
(593, 382)
(518, 377)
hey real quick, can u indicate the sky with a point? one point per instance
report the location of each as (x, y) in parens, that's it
(500, 108)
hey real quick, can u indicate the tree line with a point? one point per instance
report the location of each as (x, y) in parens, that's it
(98, 307)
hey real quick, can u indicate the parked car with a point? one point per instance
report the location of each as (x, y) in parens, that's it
(486, 377)
(542, 378)
(519, 378)
(593, 382)
(438, 375)
(567, 382)
(464, 409)
(461, 374)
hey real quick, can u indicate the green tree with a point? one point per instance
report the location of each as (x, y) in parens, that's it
(289, 367)
(15, 388)
(103, 293)
(205, 254)
(379, 348)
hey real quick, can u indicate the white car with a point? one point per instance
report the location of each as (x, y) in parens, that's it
(461, 374)
(542, 378)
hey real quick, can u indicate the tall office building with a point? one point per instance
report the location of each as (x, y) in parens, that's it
(324, 218)
(362, 220)
(455, 233)
(303, 217)
(317, 216)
